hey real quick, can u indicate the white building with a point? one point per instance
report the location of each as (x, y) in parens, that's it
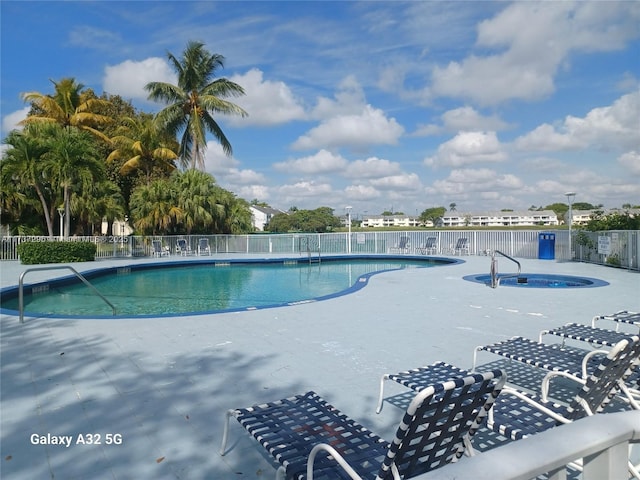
(377, 221)
(260, 216)
(498, 219)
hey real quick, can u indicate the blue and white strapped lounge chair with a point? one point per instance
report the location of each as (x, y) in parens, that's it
(312, 439)
(418, 378)
(517, 414)
(401, 247)
(462, 246)
(203, 247)
(584, 333)
(569, 362)
(623, 317)
(183, 248)
(158, 249)
(429, 247)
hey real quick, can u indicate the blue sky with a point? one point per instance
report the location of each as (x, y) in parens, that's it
(374, 105)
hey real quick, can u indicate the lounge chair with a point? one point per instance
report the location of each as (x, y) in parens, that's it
(203, 247)
(308, 436)
(621, 317)
(429, 247)
(158, 249)
(584, 333)
(517, 414)
(418, 378)
(461, 247)
(401, 247)
(573, 363)
(183, 248)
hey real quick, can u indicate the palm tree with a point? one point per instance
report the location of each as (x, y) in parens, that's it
(144, 147)
(153, 207)
(194, 100)
(72, 161)
(22, 166)
(69, 106)
(199, 200)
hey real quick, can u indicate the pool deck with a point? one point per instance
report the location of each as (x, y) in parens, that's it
(163, 385)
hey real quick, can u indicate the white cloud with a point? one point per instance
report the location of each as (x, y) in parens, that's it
(403, 182)
(305, 189)
(631, 161)
(10, 121)
(267, 102)
(462, 119)
(369, 127)
(372, 167)
(606, 128)
(468, 148)
(321, 162)
(128, 78)
(348, 100)
(361, 192)
(532, 41)
(216, 161)
(465, 183)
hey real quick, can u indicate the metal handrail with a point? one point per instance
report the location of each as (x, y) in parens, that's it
(57, 267)
(495, 279)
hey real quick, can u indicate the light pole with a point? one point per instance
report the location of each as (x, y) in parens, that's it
(348, 209)
(570, 196)
(61, 214)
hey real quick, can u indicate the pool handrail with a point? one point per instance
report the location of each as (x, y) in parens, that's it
(495, 279)
(57, 267)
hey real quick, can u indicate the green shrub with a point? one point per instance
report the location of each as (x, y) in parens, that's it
(32, 253)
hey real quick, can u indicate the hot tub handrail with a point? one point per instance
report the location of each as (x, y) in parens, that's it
(57, 267)
(495, 279)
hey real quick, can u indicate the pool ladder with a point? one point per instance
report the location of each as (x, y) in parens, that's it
(495, 279)
(61, 267)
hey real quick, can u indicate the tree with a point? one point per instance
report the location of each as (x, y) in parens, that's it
(154, 207)
(69, 106)
(72, 162)
(319, 220)
(194, 100)
(432, 214)
(143, 147)
(22, 169)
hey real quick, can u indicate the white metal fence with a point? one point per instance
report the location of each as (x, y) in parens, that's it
(624, 245)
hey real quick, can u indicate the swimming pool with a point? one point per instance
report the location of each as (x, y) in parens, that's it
(204, 286)
(539, 280)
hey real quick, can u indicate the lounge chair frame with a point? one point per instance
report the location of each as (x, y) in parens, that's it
(573, 363)
(517, 414)
(310, 437)
(158, 249)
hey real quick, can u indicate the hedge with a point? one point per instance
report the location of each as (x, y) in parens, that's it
(32, 253)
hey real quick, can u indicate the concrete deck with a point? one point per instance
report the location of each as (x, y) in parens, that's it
(163, 385)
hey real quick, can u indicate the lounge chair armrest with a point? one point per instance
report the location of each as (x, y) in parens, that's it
(516, 393)
(587, 357)
(544, 387)
(336, 456)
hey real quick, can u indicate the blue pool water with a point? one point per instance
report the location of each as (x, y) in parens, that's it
(539, 280)
(176, 288)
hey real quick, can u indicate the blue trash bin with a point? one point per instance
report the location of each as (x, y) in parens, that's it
(546, 246)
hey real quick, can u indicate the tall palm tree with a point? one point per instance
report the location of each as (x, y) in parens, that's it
(144, 147)
(194, 100)
(69, 106)
(23, 166)
(72, 161)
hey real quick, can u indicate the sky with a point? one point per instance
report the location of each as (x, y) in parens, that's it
(374, 105)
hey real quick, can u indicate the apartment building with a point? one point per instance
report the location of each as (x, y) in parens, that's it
(378, 221)
(498, 219)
